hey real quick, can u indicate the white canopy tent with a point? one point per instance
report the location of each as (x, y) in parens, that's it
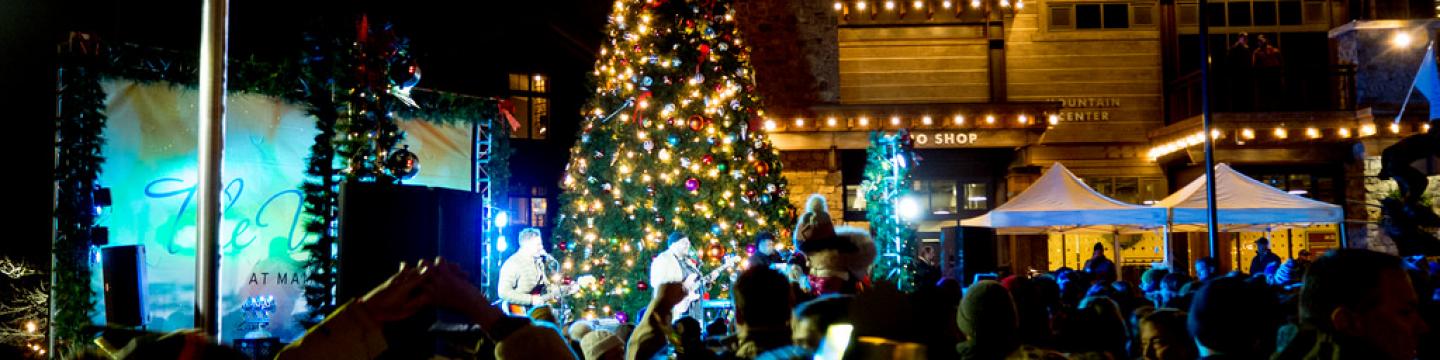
(1245, 204)
(1058, 202)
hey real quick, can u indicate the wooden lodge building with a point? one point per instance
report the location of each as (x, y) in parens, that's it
(996, 91)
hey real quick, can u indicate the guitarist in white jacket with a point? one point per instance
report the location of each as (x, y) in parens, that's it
(676, 264)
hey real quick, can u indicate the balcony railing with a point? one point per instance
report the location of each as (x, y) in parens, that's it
(1307, 89)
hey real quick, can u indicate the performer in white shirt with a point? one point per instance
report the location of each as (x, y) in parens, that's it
(523, 278)
(675, 264)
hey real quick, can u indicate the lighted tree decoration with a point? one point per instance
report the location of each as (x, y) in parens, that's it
(24, 306)
(887, 184)
(353, 87)
(670, 141)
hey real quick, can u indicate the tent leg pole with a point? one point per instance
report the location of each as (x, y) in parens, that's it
(1064, 257)
(1168, 262)
(1119, 263)
(1344, 236)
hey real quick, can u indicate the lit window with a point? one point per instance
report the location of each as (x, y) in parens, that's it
(531, 105)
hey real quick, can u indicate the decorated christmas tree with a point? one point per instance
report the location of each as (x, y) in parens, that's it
(671, 141)
(887, 185)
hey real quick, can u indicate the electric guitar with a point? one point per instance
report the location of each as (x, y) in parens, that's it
(552, 297)
(696, 286)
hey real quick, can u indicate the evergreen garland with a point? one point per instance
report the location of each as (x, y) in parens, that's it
(321, 187)
(888, 179)
(79, 137)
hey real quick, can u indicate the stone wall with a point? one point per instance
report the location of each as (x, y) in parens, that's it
(809, 172)
(1373, 237)
(1383, 71)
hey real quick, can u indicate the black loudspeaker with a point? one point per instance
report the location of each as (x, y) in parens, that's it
(124, 268)
(967, 251)
(384, 225)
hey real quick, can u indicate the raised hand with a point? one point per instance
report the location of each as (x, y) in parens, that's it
(670, 294)
(453, 291)
(399, 296)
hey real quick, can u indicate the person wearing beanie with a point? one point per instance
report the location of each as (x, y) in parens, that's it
(1099, 267)
(988, 319)
(814, 223)
(839, 259)
(578, 330)
(1263, 257)
(602, 345)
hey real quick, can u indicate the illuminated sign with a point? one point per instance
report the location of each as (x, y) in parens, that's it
(1084, 109)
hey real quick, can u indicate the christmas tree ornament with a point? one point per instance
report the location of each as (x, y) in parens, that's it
(403, 164)
(692, 184)
(697, 123)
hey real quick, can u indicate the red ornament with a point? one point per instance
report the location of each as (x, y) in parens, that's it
(707, 159)
(762, 167)
(697, 122)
